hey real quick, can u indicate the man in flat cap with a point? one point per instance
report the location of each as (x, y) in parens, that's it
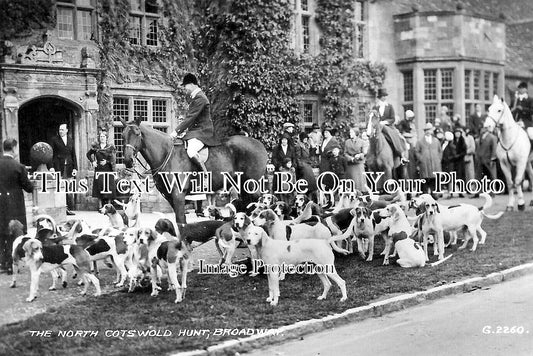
(523, 108)
(197, 122)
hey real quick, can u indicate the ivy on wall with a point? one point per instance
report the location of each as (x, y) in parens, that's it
(241, 50)
(23, 18)
(256, 76)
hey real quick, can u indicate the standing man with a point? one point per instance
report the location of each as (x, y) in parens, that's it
(197, 122)
(476, 121)
(408, 130)
(523, 108)
(428, 155)
(64, 160)
(13, 180)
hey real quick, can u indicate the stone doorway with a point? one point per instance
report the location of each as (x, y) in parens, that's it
(39, 120)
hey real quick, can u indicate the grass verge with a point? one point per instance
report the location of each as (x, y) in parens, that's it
(219, 302)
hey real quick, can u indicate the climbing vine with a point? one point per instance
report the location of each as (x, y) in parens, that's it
(256, 76)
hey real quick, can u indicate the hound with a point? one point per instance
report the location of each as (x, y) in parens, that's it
(399, 225)
(115, 219)
(463, 216)
(278, 253)
(430, 223)
(132, 210)
(226, 237)
(410, 252)
(268, 199)
(167, 254)
(362, 230)
(282, 210)
(46, 258)
(285, 230)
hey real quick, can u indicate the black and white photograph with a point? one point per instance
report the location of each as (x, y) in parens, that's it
(266, 177)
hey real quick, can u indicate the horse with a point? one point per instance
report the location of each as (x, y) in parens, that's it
(512, 150)
(380, 157)
(236, 154)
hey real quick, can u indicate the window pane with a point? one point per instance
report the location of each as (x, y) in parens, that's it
(151, 34)
(305, 35)
(121, 108)
(486, 85)
(308, 112)
(151, 6)
(431, 112)
(359, 11)
(430, 84)
(477, 78)
(64, 23)
(85, 27)
(446, 92)
(468, 77)
(359, 40)
(408, 86)
(305, 5)
(118, 141)
(135, 30)
(140, 109)
(159, 111)
(494, 84)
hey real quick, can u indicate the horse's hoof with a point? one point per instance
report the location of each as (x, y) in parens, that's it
(509, 208)
(521, 207)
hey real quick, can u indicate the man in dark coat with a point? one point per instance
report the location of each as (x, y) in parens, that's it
(13, 180)
(524, 106)
(64, 160)
(197, 122)
(476, 121)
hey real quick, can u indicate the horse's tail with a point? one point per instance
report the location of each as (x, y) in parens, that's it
(488, 204)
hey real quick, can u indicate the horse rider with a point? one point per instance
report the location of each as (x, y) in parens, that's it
(386, 113)
(197, 122)
(523, 108)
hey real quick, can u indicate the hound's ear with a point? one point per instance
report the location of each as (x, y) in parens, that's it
(260, 200)
(368, 212)
(112, 210)
(438, 210)
(352, 212)
(137, 120)
(274, 199)
(153, 235)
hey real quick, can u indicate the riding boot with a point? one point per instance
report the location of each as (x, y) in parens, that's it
(196, 159)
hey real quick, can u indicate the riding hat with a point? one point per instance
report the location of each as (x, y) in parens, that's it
(189, 78)
(382, 92)
(287, 125)
(428, 126)
(409, 114)
(522, 85)
(315, 126)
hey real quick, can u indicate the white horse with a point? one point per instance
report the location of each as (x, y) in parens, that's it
(512, 151)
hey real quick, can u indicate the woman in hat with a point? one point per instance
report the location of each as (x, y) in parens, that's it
(428, 153)
(304, 170)
(315, 141)
(102, 156)
(354, 152)
(388, 119)
(460, 152)
(327, 145)
(448, 156)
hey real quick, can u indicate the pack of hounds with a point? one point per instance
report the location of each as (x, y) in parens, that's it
(272, 231)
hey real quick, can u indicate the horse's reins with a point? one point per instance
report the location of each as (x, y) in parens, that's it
(149, 171)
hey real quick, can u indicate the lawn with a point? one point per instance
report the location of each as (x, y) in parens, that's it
(218, 301)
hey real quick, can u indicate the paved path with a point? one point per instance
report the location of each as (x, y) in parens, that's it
(464, 324)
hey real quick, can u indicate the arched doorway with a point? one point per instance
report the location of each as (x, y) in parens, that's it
(39, 120)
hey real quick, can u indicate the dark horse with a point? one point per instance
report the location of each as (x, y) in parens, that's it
(236, 154)
(380, 156)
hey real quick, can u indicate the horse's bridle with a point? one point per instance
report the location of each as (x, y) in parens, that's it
(146, 170)
(499, 125)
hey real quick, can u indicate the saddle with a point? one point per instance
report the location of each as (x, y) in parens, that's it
(203, 154)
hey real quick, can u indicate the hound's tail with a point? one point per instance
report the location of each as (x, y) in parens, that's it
(488, 204)
(439, 262)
